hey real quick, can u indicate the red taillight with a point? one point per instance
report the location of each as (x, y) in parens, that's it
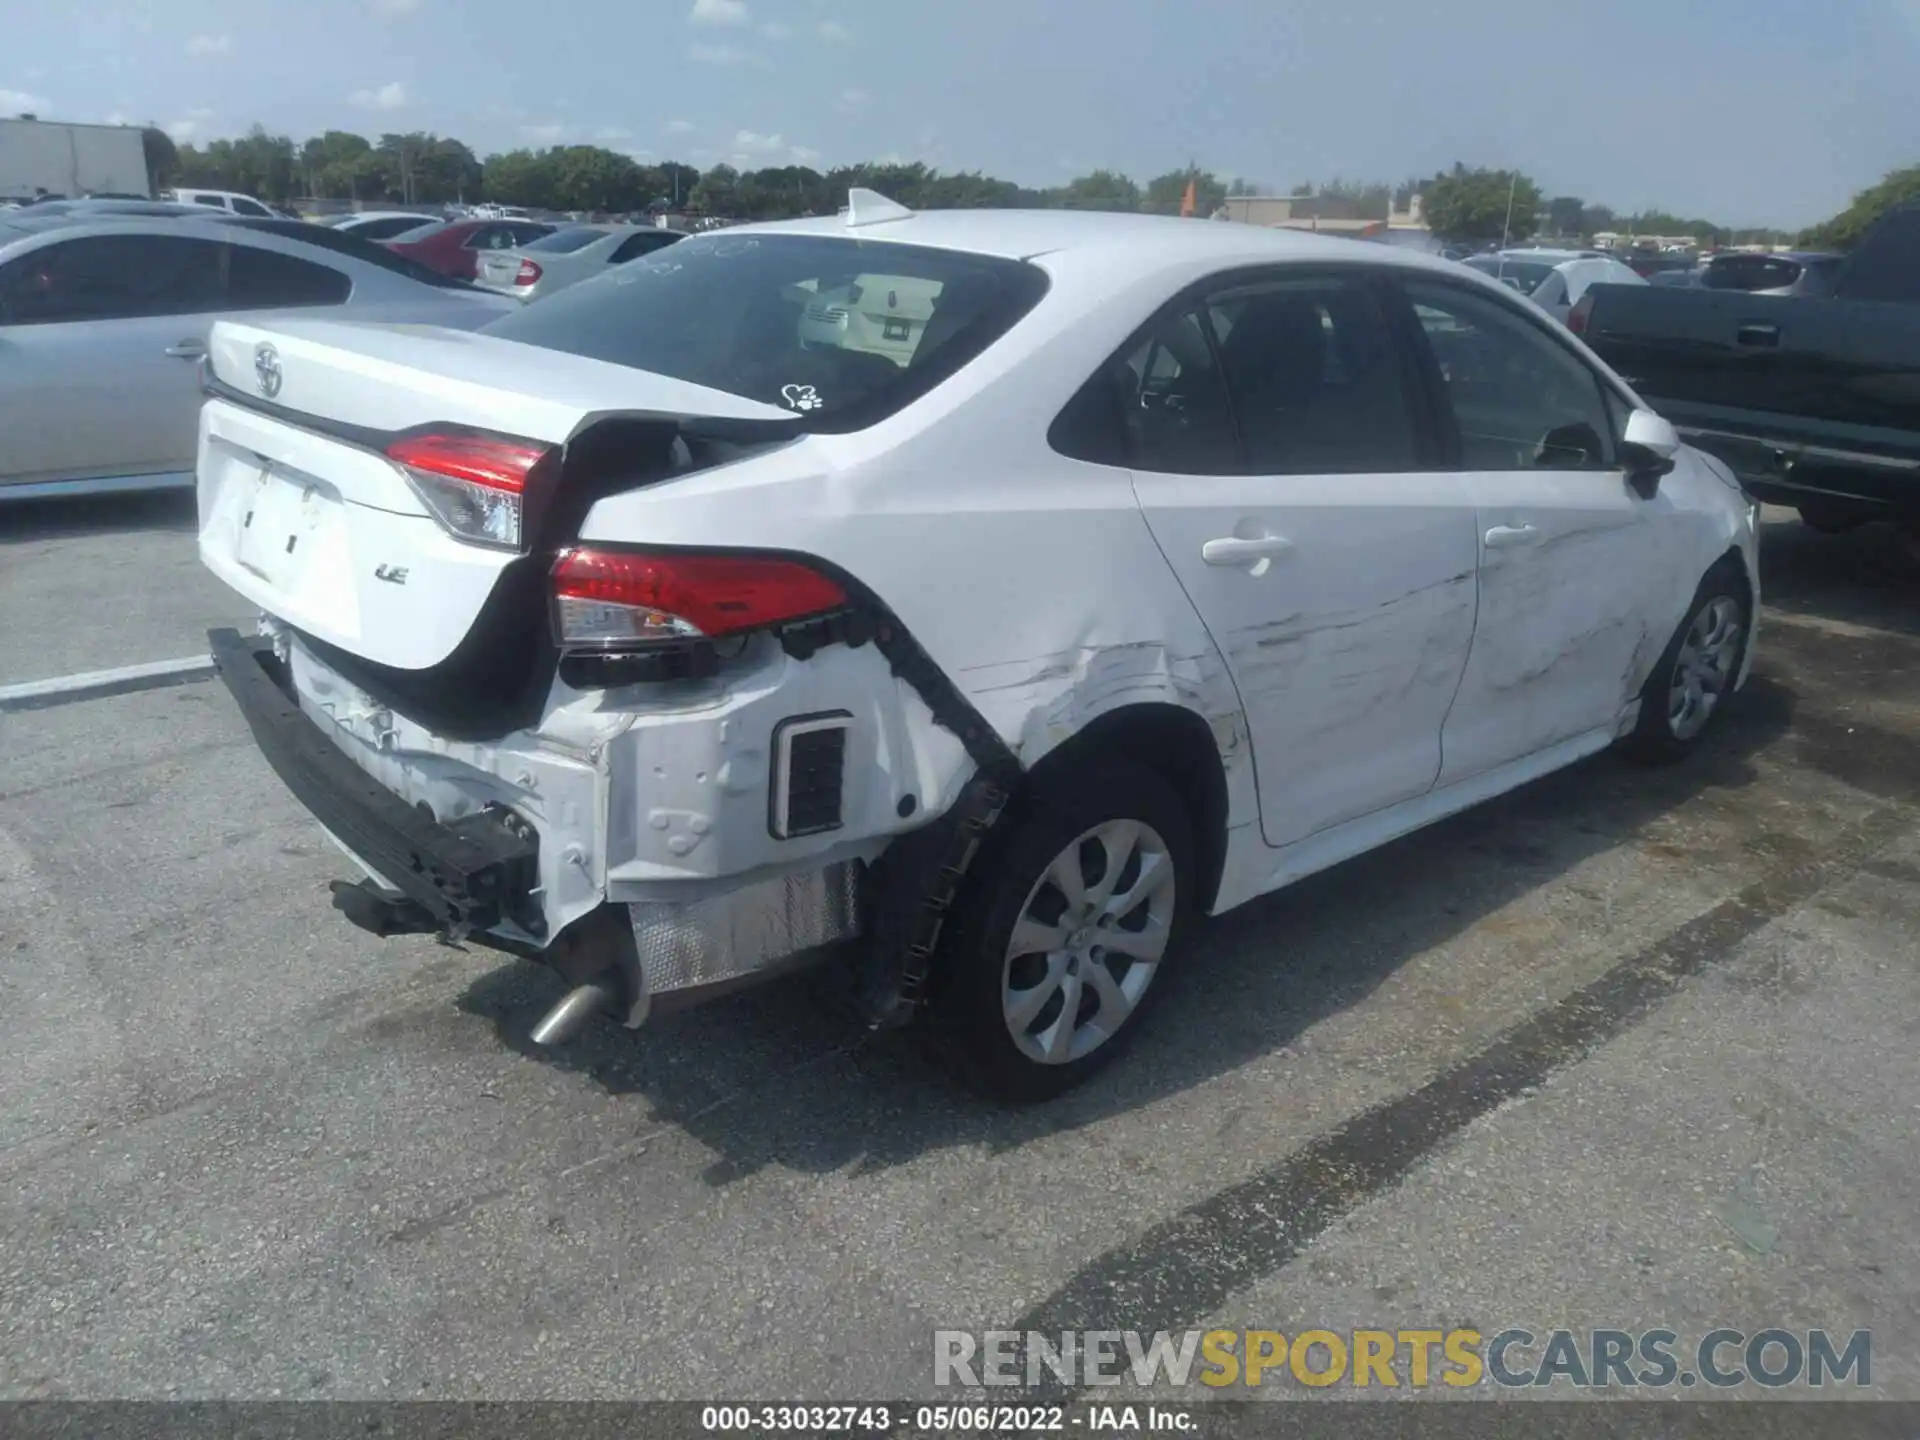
(611, 599)
(529, 273)
(475, 485)
(1577, 317)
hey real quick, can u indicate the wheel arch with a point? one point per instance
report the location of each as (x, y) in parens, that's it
(1183, 748)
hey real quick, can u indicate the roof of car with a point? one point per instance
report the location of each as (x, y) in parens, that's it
(1142, 239)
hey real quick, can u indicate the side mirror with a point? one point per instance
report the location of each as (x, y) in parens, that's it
(1647, 450)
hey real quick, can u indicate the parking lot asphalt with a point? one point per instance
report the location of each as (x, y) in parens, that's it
(1625, 1048)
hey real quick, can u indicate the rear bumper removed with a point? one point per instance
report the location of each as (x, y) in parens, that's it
(472, 874)
(479, 876)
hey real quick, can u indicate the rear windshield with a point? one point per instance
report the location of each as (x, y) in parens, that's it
(1751, 272)
(842, 332)
(1525, 276)
(565, 242)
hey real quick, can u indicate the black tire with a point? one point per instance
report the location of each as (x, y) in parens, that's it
(968, 1028)
(1655, 738)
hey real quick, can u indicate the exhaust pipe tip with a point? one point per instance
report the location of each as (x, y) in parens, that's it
(566, 1020)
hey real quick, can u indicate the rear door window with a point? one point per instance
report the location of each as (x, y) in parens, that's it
(841, 332)
(265, 279)
(1315, 378)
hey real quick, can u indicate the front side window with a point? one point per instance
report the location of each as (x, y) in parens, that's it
(113, 277)
(840, 331)
(214, 200)
(1519, 400)
(1315, 378)
(247, 207)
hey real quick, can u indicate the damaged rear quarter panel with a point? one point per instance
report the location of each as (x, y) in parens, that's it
(1031, 580)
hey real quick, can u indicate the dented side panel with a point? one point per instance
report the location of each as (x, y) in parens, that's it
(1347, 644)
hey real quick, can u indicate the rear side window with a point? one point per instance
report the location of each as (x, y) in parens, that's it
(643, 243)
(112, 277)
(841, 332)
(266, 279)
(1315, 378)
(565, 242)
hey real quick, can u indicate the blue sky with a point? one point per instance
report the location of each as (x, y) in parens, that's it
(1745, 111)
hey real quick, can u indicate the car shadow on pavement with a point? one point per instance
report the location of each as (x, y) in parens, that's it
(780, 1076)
(155, 512)
(1863, 577)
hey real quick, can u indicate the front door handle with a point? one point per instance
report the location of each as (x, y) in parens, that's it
(186, 350)
(1756, 334)
(1232, 550)
(1505, 537)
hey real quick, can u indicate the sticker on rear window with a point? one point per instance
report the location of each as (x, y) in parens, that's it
(801, 397)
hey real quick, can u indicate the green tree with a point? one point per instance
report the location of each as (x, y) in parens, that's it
(1165, 193)
(1567, 215)
(1472, 206)
(521, 177)
(333, 164)
(1100, 190)
(716, 192)
(1843, 231)
(675, 183)
(586, 177)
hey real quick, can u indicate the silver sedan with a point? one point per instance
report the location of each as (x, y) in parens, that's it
(566, 257)
(102, 323)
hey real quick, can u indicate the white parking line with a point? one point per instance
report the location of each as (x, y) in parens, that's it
(94, 684)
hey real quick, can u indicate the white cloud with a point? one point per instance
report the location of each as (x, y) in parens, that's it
(391, 96)
(680, 127)
(804, 155)
(851, 100)
(722, 55)
(546, 133)
(611, 135)
(15, 102)
(117, 117)
(193, 127)
(210, 46)
(391, 9)
(750, 143)
(774, 30)
(835, 32)
(717, 12)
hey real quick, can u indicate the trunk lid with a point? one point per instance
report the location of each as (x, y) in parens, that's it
(498, 270)
(302, 512)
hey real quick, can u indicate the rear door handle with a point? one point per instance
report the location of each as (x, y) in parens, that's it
(1757, 335)
(1232, 550)
(186, 350)
(1506, 537)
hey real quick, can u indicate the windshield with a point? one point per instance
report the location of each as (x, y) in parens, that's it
(1525, 276)
(843, 332)
(565, 242)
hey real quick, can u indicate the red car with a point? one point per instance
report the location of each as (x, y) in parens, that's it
(453, 247)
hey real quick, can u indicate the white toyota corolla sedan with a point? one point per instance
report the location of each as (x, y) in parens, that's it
(1137, 568)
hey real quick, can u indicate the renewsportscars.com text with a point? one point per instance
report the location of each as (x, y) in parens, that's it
(1417, 1359)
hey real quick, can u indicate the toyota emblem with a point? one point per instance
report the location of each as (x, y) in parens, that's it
(266, 369)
